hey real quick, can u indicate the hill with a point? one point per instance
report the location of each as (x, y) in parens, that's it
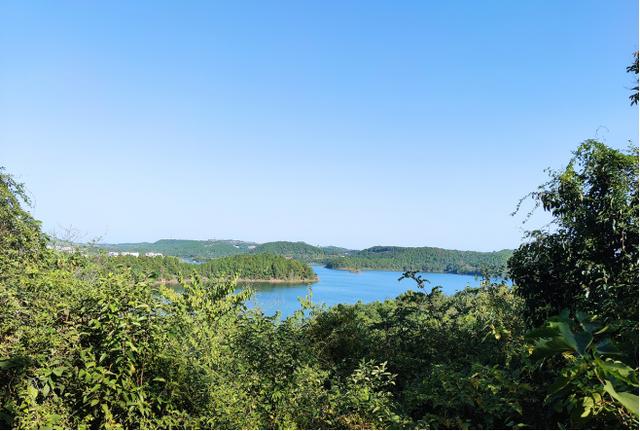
(259, 267)
(194, 249)
(211, 249)
(248, 267)
(301, 250)
(426, 259)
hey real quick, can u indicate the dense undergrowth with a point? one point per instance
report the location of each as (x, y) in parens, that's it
(85, 345)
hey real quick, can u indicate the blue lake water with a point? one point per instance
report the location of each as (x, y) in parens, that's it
(345, 287)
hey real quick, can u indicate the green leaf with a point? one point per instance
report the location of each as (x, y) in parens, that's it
(607, 347)
(628, 400)
(543, 332)
(556, 337)
(616, 368)
(603, 330)
(587, 406)
(549, 347)
(583, 341)
(567, 335)
(581, 316)
(33, 392)
(9, 363)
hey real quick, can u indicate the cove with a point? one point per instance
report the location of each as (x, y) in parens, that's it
(346, 287)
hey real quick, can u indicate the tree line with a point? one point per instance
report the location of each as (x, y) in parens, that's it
(425, 259)
(263, 267)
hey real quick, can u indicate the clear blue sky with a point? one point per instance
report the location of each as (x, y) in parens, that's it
(333, 122)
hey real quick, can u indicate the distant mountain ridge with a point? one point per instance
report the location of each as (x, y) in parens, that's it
(427, 259)
(194, 249)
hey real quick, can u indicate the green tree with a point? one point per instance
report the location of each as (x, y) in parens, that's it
(21, 240)
(588, 258)
(633, 68)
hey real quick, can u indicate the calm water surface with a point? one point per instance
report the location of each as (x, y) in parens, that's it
(345, 287)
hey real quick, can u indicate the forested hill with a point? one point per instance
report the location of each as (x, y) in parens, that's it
(258, 267)
(210, 249)
(427, 259)
(195, 249)
(301, 250)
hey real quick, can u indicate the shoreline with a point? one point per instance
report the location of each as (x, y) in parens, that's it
(248, 280)
(364, 269)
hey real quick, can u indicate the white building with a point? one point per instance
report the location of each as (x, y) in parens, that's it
(152, 254)
(62, 248)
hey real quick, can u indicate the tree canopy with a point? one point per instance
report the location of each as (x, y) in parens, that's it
(588, 258)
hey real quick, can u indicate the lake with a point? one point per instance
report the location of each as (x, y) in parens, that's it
(346, 287)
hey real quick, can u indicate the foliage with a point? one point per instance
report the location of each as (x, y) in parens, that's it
(96, 342)
(425, 259)
(428, 259)
(589, 260)
(442, 379)
(299, 250)
(633, 68)
(593, 383)
(211, 249)
(21, 240)
(259, 267)
(262, 267)
(193, 249)
(584, 269)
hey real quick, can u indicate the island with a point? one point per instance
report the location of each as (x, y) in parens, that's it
(262, 268)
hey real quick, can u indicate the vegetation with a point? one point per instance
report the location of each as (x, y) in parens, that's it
(20, 237)
(300, 250)
(162, 267)
(211, 249)
(95, 342)
(634, 68)
(258, 267)
(581, 277)
(90, 342)
(588, 259)
(197, 250)
(425, 259)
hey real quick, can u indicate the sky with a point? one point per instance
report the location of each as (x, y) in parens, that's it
(351, 123)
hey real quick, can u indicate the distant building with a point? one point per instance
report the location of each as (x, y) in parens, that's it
(130, 253)
(114, 253)
(251, 247)
(62, 248)
(152, 254)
